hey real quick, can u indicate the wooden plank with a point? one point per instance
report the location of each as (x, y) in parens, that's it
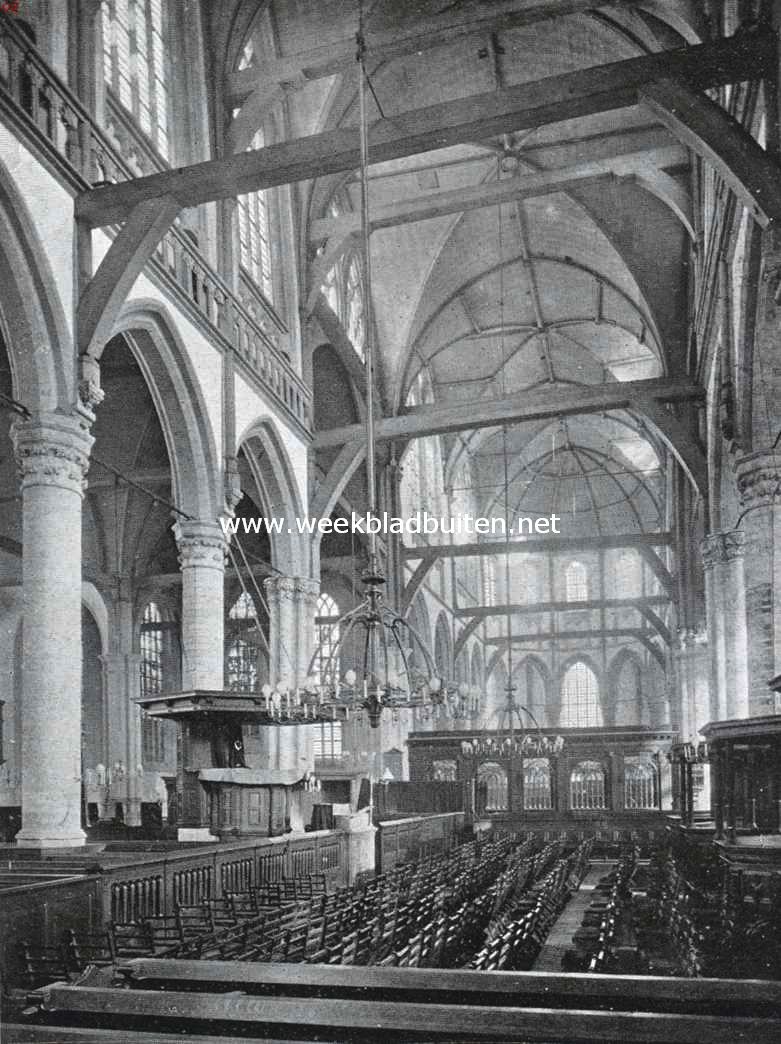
(550, 545)
(475, 118)
(461, 982)
(456, 201)
(15, 1033)
(410, 38)
(426, 1021)
(527, 405)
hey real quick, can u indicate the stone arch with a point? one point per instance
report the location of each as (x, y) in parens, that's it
(32, 317)
(92, 599)
(532, 680)
(417, 618)
(476, 666)
(192, 448)
(617, 704)
(276, 482)
(443, 647)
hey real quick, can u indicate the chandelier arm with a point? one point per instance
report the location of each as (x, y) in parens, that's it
(430, 662)
(343, 633)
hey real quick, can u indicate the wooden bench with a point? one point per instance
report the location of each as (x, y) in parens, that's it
(371, 1020)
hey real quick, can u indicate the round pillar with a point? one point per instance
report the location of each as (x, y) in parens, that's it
(53, 456)
(202, 562)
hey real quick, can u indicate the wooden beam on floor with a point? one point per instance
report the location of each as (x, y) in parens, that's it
(475, 118)
(490, 193)
(531, 404)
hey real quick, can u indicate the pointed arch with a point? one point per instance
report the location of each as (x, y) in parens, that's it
(580, 693)
(625, 698)
(278, 488)
(532, 680)
(443, 647)
(32, 316)
(154, 341)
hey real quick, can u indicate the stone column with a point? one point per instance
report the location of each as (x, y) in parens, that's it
(725, 592)
(202, 561)
(292, 601)
(691, 669)
(122, 685)
(759, 483)
(52, 451)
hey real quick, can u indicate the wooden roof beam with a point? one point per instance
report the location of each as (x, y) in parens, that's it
(478, 117)
(456, 201)
(527, 405)
(545, 544)
(483, 612)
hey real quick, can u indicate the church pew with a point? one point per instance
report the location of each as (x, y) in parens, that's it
(462, 986)
(15, 1033)
(365, 1021)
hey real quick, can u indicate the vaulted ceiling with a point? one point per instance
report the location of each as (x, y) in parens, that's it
(575, 287)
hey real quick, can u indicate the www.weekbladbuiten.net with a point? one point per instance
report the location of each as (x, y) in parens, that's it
(420, 523)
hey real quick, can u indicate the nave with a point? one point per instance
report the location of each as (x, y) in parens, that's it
(642, 957)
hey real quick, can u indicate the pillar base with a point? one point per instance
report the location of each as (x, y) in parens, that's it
(77, 839)
(196, 834)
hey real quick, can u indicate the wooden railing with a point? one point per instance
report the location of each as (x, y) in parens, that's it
(158, 883)
(403, 840)
(43, 109)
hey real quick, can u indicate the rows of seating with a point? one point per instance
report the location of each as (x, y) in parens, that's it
(382, 920)
(516, 936)
(184, 934)
(690, 917)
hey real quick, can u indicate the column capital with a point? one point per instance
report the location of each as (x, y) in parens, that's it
(759, 478)
(201, 544)
(692, 638)
(723, 547)
(292, 588)
(53, 450)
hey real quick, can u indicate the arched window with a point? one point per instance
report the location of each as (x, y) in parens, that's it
(328, 741)
(580, 705)
(537, 784)
(587, 786)
(330, 289)
(136, 53)
(155, 642)
(640, 783)
(354, 321)
(629, 575)
(241, 657)
(576, 582)
(326, 666)
(492, 784)
(255, 234)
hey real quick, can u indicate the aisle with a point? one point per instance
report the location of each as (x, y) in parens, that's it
(560, 936)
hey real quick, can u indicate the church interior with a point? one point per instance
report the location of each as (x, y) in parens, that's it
(507, 272)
